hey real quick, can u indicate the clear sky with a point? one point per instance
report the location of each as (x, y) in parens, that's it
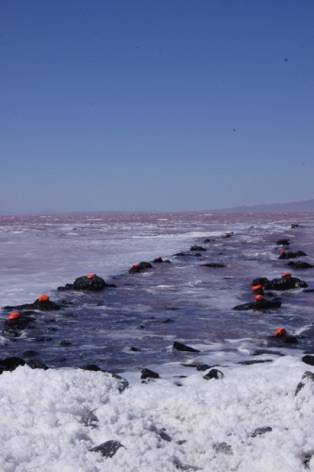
(155, 105)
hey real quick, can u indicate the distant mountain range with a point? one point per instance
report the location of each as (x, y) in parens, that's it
(307, 205)
(304, 206)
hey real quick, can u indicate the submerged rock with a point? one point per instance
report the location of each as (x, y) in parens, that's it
(251, 362)
(258, 305)
(202, 367)
(300, 265)
(184, 254)
(213, 264)
(91, 367)
(283, 242)
(197, 248)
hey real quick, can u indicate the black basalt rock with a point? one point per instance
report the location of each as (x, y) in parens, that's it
(108, 448)
(90, 282)
(285, 283)
(307, 377)
(17, 324)
(213, 374)
(11, 363)
(160, 260)
(260, 281)
(259, 305)
(36, 364)
(182, 347)
(283, 336)
(308, 359)
(288, 339)
(140, 267)
(291, 255)
(149, 374)
(38, 304)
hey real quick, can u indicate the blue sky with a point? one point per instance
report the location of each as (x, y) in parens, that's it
(155, 105)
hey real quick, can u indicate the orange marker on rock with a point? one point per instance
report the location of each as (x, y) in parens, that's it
(280, 332)
(14, 315)
(90, 276)
(257, 287)
(286, 274)
(43, 298)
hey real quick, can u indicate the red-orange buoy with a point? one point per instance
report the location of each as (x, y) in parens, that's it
(43, 298)
(14, 315)
(91, 276)
(286, 274)
(280, 332)
(257, 287)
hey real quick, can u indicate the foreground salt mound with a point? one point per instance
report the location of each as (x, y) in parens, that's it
(251, 420)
